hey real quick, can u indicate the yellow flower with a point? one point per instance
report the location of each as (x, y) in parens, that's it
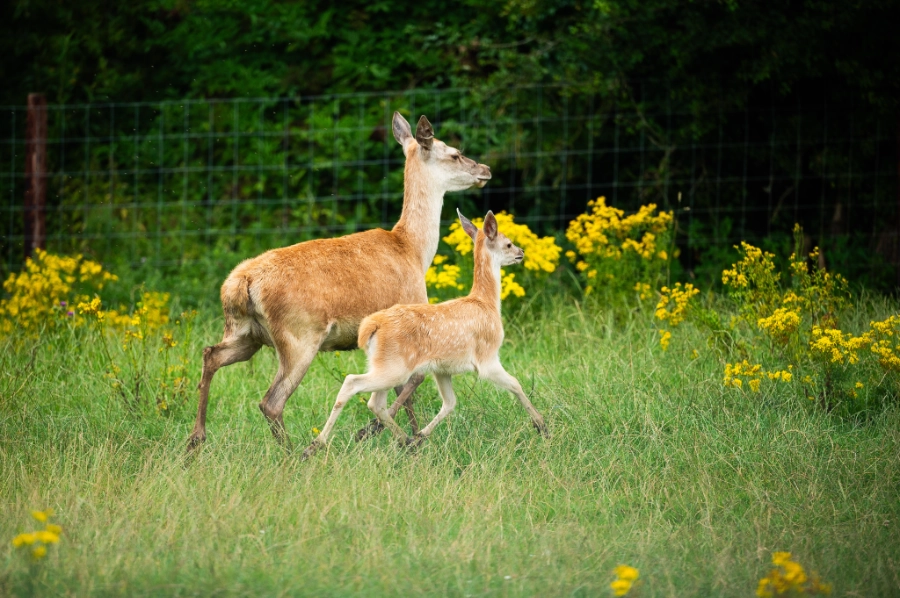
(39, 552)
(316, 431)
(39, 515)
(780, 558)
(627, 573)
(762, 589)
(754, 385)
(47, 537)
(673, 303)
(24, 540)
(620, 587)
(664, 338)
(508, 285)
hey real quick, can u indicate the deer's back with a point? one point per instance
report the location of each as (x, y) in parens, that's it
(334, 282)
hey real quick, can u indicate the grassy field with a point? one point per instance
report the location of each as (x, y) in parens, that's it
(652, 463)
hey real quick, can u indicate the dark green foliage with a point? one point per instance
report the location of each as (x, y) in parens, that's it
(759, 115)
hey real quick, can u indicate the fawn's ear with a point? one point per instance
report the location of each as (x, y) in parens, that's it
(467, 225)
(490, 226)
(424, 133)
(402, 132)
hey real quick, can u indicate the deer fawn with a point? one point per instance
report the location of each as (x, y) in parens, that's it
(461, 335)
(311, 297)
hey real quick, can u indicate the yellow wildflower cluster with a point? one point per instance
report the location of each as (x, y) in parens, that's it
(789, 579)
(823, 293)
(541, 257)
(887, 348)
(541, 253)
(605, 235)
(754, 281)
(644, 290)
(40, 295)
(673, 308)
(441, 275)
(607, 232)
(624, 581)
(152, 312)
(36, 542)
(835, 346)
(737, 373)
(673, 303)
(781, 324)
(665, 337)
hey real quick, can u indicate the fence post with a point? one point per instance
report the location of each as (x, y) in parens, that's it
(35, 174)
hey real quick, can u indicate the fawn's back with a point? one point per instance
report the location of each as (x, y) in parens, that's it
(450, 338)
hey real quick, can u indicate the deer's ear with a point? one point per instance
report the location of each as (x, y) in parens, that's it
(424, 133)
(402, 132)
(467, 225)
(490, 226)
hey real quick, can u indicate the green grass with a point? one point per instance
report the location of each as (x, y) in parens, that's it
(652, 463)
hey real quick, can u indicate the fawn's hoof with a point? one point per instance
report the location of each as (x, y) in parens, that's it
(311, 450)
(373, 428)
(542, 429)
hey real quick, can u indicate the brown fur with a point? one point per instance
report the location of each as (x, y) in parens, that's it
(312, 296)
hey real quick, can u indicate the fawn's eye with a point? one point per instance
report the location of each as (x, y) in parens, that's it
(509, 245)
(456, 157)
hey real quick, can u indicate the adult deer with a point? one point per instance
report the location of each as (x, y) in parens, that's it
(462, 335)
(311, 297)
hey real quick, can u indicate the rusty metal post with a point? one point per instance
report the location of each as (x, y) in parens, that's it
(35, 174)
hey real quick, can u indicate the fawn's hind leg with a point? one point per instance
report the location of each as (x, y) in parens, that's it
(378, 405)
(405, 400)
(448, 398)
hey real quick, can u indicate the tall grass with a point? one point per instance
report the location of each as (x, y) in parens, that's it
(652, 463)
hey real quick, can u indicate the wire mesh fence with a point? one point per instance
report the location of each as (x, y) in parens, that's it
(170, 183)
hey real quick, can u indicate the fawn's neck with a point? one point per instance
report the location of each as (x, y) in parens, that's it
(486, 280)
(420, 220)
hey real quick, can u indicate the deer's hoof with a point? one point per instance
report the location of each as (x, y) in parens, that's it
(415, 441)
(195, 442)
(373, 428)
(542, 429)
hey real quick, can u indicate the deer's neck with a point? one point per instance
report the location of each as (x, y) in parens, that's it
(486, 279)
(420, 221)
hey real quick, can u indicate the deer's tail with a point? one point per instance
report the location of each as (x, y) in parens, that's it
(237, 302)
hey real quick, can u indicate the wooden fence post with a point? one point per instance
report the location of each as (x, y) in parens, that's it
(35, 174)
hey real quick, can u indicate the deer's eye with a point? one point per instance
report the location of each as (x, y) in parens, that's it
(509, 245)
(456, 157)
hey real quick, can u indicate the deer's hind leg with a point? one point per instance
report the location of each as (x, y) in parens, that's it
(295, 354)
(234, 347)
